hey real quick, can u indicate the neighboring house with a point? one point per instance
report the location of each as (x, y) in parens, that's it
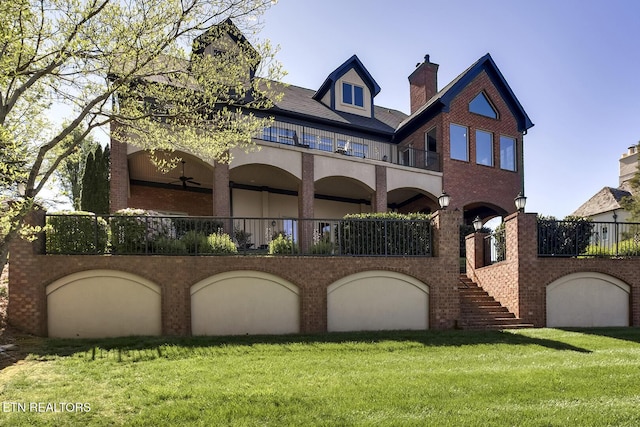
(332, 151)
(605, 205)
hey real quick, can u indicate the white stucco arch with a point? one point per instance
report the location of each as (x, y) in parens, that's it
(587, 299)
(377, 300)
(287, 160)
(244, 302)
(357, 169)
(403, 177)
(103, 303)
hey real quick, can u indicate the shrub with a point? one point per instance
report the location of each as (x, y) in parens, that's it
(76, 233)
(323, 247)
(282, 245)
(169, 246)
(221, 244)
(569, 237)
(385, 234)
(196, 243)
(204, 226)
(134, 230)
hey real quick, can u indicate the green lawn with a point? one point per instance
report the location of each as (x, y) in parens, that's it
(536, 377)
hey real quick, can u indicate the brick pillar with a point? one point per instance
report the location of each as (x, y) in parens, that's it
(221, 190)
(119, 181)
(444, 299)
(531, 296)
(380, 204)
(27, 309)
(475, 253)
(306, 198)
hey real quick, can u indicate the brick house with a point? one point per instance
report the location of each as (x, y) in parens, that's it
(333, 151)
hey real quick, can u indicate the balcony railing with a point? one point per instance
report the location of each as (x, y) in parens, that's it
(333, 142)
(495, 248)
(584, 238)
(170, 235)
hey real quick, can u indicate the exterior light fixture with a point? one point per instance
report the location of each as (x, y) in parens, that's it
(520, 202)
(477, 223)
(444, 200)
(273, 223)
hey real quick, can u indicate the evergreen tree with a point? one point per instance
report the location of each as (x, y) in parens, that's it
(95, 182)
(632, 203)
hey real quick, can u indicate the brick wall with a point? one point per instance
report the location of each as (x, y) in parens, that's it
(30, 273)
(468, 182)
(162, 199)
(520, 282)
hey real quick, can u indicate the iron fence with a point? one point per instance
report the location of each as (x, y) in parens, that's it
(172, 235)
(585, 238)
(495, 248)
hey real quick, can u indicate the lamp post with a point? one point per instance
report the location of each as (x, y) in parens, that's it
(444, 200)
(477, 223)
(520, 202)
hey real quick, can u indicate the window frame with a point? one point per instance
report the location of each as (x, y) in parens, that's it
(451, 151)
(350, 90)
(513, 157)
(491, 150)
(491, 106)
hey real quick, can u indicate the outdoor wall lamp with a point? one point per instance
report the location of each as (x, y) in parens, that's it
(444, 200)
(520, 202)
(477, 223)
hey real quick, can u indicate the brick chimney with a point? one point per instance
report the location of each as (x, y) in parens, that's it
(423, 83)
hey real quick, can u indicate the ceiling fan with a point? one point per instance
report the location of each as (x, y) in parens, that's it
(185, 179)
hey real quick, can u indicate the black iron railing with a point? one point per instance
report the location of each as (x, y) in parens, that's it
(495, 248)
(172, 235)
(333, 142)
(587, 238)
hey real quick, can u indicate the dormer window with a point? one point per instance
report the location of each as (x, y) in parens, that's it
(481, 105)
(352, 95)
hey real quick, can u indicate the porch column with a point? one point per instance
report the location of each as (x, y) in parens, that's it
(119, 182)
(221, 190)
(306, 195)
(380, 202)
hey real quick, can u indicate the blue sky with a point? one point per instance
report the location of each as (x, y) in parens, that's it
(573, 64)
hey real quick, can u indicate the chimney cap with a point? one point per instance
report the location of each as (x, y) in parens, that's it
(426, 58)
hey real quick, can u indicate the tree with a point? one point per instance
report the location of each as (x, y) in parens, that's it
(126, 64)
(632, 203)
(95, 182)
(71, 169)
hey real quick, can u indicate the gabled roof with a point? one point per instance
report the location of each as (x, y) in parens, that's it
(443, 98)
(350, 63)
(605, 200)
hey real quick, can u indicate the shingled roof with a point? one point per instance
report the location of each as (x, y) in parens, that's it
(442, 99)
(300, 102)
(605, 200)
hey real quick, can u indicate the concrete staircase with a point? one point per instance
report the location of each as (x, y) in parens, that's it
(480, 311)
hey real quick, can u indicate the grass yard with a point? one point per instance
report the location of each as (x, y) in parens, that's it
(536, 377)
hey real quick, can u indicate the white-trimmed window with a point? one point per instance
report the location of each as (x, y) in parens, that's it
(507, 153)
(352, 94)
(459, 142)
(484, 148)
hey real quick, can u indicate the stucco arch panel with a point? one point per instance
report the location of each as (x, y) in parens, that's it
(287, 160)
(103, 303)
(327, 166)
(422, 180)
(244, 302)
(377, 300)
(587, 300)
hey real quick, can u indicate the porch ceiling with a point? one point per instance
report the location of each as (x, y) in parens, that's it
(259, 175)
(142, 169)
